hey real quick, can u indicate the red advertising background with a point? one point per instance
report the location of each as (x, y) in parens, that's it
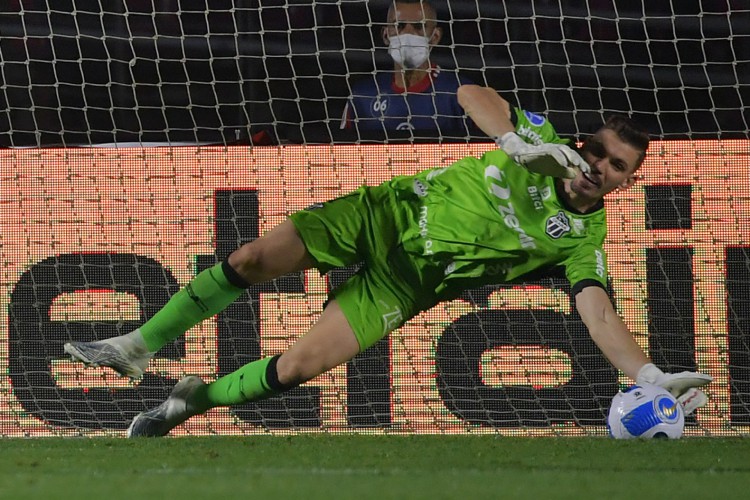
(157, 202)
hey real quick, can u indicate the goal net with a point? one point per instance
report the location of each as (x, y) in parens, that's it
(143, 141)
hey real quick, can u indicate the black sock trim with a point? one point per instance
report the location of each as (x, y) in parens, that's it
(272, 377)
(233, 276)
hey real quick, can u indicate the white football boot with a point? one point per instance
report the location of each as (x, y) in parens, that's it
(168, 415)
(126, 354)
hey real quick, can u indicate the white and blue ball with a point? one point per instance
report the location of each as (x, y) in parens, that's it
(645, 411)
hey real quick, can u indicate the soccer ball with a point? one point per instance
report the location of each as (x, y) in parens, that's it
(645, 411)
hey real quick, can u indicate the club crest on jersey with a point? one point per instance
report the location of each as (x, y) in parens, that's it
(558, 225)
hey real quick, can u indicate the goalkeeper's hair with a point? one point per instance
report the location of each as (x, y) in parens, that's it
(630, 132)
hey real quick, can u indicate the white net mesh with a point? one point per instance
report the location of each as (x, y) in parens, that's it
(86, 72)
(93, 241)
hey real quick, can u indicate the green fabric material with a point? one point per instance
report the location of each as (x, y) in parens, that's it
(206, 295)
(246, 384)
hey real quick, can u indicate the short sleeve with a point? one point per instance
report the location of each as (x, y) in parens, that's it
(587, 266)
(535, 128)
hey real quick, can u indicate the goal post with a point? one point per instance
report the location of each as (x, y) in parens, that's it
(144, 141)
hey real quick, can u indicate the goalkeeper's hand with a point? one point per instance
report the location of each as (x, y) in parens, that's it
(692, 400)
(683, 385)
(555, 160)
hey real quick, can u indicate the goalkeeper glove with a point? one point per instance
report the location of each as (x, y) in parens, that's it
(683, 385)
(692, 400)
(555, 160)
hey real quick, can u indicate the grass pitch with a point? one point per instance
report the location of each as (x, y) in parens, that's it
(378, 467)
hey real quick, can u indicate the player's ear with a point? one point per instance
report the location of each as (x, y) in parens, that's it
(437, 35)
(384, 35)
(627, 182)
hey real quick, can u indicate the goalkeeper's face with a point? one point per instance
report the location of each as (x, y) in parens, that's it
(613, 163)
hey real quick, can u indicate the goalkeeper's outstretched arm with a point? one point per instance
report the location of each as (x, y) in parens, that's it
(617, 344)
(609, 332)
(489, 111)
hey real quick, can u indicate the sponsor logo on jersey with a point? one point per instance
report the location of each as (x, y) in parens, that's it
(534, 119)
(599, 263)
(434, 173)
(579, 227)
(558, 225)
(392, 318)
(449, 268)
(420, 189)
(536, 197)
(530, 134)
(314, 206)
(423, 232)
(546, 193)
(494, 176)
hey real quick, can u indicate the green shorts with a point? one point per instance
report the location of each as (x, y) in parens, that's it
(360, 228)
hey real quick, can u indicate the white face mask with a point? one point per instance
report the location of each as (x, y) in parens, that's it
(410, 51)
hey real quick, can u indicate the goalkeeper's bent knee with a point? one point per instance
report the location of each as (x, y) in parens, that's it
(272, 377)
(233, 276)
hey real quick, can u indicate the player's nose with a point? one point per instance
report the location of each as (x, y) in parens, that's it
(596, 166)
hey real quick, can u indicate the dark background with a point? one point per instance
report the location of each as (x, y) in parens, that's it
(220, 71)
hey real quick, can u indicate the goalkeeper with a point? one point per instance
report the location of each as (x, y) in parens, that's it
(530, 205)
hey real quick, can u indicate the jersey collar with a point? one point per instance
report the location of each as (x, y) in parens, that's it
(420, 86)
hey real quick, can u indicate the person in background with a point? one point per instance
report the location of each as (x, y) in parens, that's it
(417, 95)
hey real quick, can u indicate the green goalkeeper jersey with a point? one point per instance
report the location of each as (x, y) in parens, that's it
(489, 220)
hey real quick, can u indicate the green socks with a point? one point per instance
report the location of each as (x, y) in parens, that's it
(209, 293)
(249, 383)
